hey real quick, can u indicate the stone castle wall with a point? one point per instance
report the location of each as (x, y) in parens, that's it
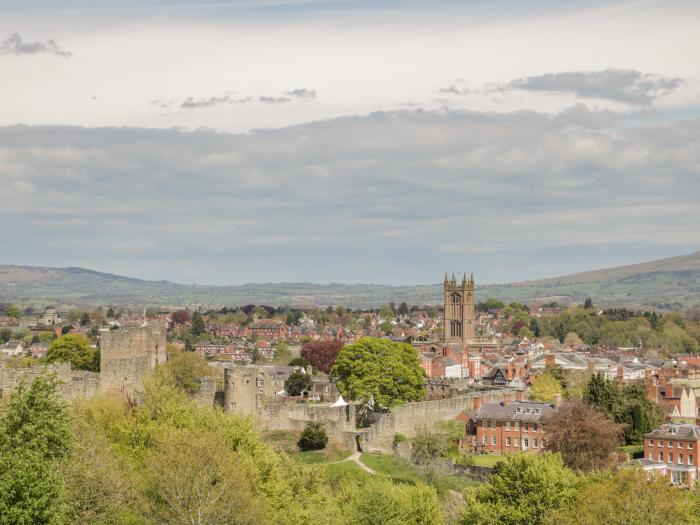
(74, 383)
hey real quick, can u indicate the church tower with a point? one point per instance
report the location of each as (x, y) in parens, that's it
(460, 324)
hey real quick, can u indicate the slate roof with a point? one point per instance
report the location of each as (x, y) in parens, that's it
(682, 431)
(516, 411)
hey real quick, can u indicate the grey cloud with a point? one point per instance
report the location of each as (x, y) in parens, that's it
(14, 45)
(302, 94)
(619, 85)
(274, 100)
(388, 197)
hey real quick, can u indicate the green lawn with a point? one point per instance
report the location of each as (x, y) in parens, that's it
(485, 460)
(327, 455)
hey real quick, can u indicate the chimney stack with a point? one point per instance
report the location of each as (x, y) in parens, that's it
(557, 400)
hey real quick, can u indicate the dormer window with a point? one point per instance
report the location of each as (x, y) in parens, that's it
(527, 410)
(673, 430)
(518, 410)
(537, 411)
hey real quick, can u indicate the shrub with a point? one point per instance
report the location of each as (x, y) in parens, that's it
(313, 437)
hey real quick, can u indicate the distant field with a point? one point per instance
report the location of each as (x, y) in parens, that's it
(673, 282)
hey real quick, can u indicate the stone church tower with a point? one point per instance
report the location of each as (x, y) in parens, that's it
(460, 324)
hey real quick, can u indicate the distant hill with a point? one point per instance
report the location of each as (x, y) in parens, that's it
(666, 283)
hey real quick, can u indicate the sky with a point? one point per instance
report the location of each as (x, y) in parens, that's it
(380, 141)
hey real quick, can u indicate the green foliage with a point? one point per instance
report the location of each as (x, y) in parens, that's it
(187, 370)
(524, 489)
(297, 383)
(379, 369)
(628, 497)
(13, 311)
(628, 405)
(74, 349)
(198, 327)
(545, 387)
(313, 437)
(34, 435)
(490, 304)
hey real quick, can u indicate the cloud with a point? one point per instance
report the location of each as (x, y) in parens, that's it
(192, 103)
(14, 45)
(618, 85)
(408, 193)
(274, 100)
(302, 94)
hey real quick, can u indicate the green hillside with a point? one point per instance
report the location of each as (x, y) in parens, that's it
(673, 282)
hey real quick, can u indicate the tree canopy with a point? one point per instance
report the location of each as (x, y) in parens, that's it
(321, 355)
(387, 372)
(74, 349)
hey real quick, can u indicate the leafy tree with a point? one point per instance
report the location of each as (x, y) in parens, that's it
(74, 349)
(403, 309)
(198, 327)
(34, 434)
(321, 354)
(386, 327)
(545, 387)
(85, 319)
(524, 489)
(187, 370)
(628, 497)
(490, 304)
(299, 361)
(297, 383)
(13, 311)
(313, 437)
(572, 340)
(584, 437)
(111, 313)
(386, 312)
(387, 372)
(588, 304)
(181, 317)
(5, 335)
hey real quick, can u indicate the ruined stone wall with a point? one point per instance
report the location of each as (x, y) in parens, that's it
(409, 418)
(128, 357)
(206, 395)
(74, 383)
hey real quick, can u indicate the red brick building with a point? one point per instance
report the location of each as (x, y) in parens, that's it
(518, 426)
(672, 451)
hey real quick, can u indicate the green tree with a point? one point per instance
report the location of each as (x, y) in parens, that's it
(386, 327)
(389, 373)
(13, 311)
(198, 327)
(74, 349)
(313, 437)
(297, 383)
(628, 497)
(85, 319)
(403, 309)
(34, 435)
(524, 489)
(545, 387)
(5, 335)
(187, 370)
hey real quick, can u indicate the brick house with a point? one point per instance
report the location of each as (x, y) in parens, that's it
(269, 330)
(518, 426)
(671, 451)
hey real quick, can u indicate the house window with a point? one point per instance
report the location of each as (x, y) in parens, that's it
(483, 423)
(669, 444)
(493, 440)
(690, 459)
(526, 443)
(651, 442)
(534, 427)
(661, 456)
(544, 444)
(516, 425)
(670, 457)
(508, 441)
(651, 455)
(483, 440)
(680, 459)
(493, 423)
(679, 444)
(534, 443)
(507, 425)
(690, 446)
(678, 477)
(517, 410)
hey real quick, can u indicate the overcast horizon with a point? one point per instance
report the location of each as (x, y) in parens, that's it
(351, 142)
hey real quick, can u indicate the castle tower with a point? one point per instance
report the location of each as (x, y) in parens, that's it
(459, 321)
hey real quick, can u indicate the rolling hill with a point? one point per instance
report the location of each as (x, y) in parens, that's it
(666, 283)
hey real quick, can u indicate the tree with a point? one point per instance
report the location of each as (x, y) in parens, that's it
(180, 317)
(74, 349)
(584, 437)
(111, 313)
(572, 340)
(34, 434)
(13, 311)
(389, 373)
(386, 327)
(85, 319)
(198, 327)
(187, 370)
(588, 304)
(5, 335)
(297, 383)
(313, 437)
(403, 309)
(628, 497)
(321, 355)
(545, 387)
(524, 489)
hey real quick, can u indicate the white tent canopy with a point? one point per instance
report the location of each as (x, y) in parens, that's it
(340, 402)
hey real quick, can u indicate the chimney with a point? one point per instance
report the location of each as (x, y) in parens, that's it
(557, 400)
(477, 403)
(506, 398)
(519, 395)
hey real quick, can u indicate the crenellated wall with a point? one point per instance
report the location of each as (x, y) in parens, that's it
(74, 383)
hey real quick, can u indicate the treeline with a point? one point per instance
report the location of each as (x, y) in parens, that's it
(615, 327)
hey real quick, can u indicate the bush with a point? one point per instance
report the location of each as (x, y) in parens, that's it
(297, 383)
(313, 437)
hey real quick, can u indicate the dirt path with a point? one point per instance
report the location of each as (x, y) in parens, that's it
(355, 456)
